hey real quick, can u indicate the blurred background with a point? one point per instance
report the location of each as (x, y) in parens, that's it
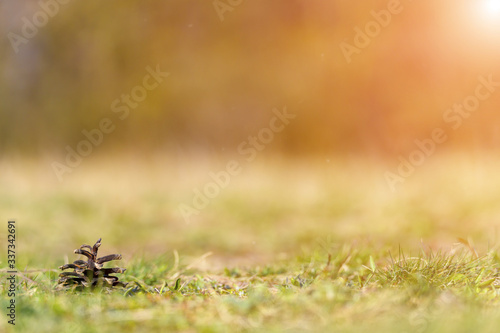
(230, 63)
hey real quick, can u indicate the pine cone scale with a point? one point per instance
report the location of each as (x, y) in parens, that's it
(91, 273)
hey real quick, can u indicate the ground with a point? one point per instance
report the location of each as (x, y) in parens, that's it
(295, 246)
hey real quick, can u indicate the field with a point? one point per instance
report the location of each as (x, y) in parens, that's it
(255, 166)
(286, 246)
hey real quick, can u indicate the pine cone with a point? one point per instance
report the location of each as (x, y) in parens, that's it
(90, 273)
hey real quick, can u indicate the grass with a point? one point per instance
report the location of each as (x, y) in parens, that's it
(346, 289)
(282, 248)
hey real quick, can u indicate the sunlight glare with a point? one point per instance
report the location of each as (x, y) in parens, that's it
(491, 8)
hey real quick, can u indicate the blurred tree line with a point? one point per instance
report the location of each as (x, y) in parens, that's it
(226, 75)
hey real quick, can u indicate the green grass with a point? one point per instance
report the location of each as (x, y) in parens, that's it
(345, 290)
(282, 249)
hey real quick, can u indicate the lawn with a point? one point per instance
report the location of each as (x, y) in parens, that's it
(288, 245)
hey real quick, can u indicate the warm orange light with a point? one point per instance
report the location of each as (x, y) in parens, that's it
(490, 9)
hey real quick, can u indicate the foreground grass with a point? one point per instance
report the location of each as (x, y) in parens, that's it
(285, 247)
(345, 290)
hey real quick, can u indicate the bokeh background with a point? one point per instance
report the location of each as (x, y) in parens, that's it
(319, 181)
